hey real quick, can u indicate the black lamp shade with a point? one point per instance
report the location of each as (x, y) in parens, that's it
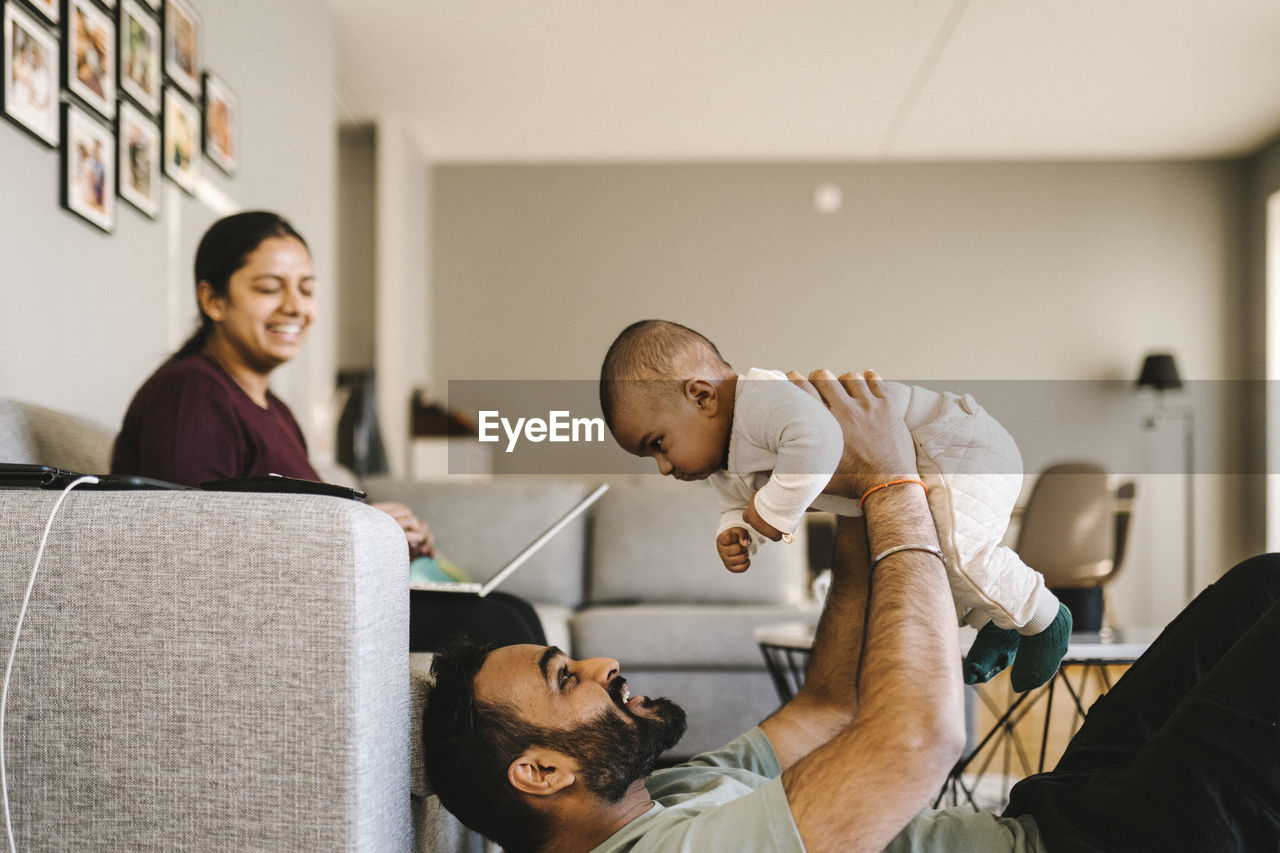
(1159, 371)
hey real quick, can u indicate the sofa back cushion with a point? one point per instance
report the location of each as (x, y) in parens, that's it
(655, 542)
(481, 526)
(35, 435)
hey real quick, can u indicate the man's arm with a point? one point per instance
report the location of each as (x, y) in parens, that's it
(885, 707)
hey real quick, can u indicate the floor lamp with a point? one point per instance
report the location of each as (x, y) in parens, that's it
(1160, 373)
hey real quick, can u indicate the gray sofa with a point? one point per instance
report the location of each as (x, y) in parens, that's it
(200, 671)
(638, 580)
(209, 671)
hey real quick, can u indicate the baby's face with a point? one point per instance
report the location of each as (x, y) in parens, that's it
(685, 441)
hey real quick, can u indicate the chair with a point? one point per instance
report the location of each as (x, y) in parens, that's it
(1074, 531)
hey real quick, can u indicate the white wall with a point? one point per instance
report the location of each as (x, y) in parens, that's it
(88, 316)
(1039, 272)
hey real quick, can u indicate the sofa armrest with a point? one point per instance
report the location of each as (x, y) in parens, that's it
(207, 671)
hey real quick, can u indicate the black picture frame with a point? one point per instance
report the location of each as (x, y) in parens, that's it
(140, 56)
(182, 52)
(31, 59)
(50, 10)
(88, 168)
(139, 149)
(221, 116)
(180, 135)
(89, 55)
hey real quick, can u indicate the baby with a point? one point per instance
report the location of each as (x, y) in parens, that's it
(769, 449)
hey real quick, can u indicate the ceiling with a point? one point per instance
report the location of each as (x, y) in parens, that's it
(796, 80)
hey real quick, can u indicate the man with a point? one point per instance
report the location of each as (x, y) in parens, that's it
(543, 753)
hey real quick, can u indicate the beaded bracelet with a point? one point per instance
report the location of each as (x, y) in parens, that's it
(868, 492)
(935, 551)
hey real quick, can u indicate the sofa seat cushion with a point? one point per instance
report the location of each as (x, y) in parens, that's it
(655, 542)
(36, 435)
(710, 636)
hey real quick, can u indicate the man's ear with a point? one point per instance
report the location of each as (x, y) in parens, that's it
(703, 394)
(211, 304)
(541, 772)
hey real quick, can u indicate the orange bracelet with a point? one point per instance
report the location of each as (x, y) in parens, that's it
(868, 492)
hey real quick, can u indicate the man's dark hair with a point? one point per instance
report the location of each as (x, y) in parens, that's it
(468, 748)
(646, 347)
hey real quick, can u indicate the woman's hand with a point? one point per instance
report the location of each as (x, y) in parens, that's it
(877, 445)
(421, 542)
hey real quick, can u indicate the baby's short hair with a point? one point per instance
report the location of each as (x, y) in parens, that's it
(651, 354)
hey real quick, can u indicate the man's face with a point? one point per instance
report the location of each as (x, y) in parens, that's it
(585, 710)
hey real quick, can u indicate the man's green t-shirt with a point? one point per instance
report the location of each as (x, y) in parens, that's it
(732, 799)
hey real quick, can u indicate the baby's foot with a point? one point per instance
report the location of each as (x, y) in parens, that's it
(1040, 655)
(992, 651)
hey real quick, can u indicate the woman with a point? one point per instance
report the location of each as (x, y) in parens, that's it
(208, 413)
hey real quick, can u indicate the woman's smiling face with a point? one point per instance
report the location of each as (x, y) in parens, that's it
(269, 306)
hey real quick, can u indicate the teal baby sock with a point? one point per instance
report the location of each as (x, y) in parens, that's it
(993, 649)
(1040, 655)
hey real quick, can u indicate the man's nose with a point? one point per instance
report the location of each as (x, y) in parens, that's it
(664, 467)
(602, 670)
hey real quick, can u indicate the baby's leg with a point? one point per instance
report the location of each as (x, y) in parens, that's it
(974, 473)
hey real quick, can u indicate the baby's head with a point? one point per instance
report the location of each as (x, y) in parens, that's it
(667, 393)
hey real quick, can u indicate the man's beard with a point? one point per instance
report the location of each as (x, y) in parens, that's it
(613, 750)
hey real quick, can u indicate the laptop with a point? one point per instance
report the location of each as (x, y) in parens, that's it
(483, 589)
(17, 475)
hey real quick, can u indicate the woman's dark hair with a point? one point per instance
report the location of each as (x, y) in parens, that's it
(223, 249)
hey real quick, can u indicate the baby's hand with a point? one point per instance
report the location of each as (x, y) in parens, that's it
(750, 516)
(734, 546)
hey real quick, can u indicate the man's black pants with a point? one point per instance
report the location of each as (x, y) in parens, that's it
(1183, 754)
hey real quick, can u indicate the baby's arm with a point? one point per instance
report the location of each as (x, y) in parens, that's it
(808, 444)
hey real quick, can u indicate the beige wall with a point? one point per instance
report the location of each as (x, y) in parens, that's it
(88, 316)
(1028, 273)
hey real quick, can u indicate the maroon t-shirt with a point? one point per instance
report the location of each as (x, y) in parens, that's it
(190, 422)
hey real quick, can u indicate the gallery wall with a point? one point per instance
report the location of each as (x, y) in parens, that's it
(1015, 276)
(87, 315)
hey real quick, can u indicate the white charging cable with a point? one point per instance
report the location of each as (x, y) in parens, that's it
(13, 651)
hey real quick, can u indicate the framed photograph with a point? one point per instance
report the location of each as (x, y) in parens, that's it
(138, 140)
(89, 69)
(221, 124)
(31, 75)
(140, 56)
(182, 45)
(48, 8)
(88, 168)
(181, 139)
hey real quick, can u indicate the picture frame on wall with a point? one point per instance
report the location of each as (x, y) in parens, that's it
(88, 168)
(31, 61)
(89, 66)
(140, 150)
(140, 49)
(221, 124)
(182, 46)
(50, 9)
(181, 137)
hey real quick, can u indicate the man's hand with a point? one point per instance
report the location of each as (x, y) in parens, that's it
(877, 445)
(416, 532)
(764, 528)
(734, 546)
